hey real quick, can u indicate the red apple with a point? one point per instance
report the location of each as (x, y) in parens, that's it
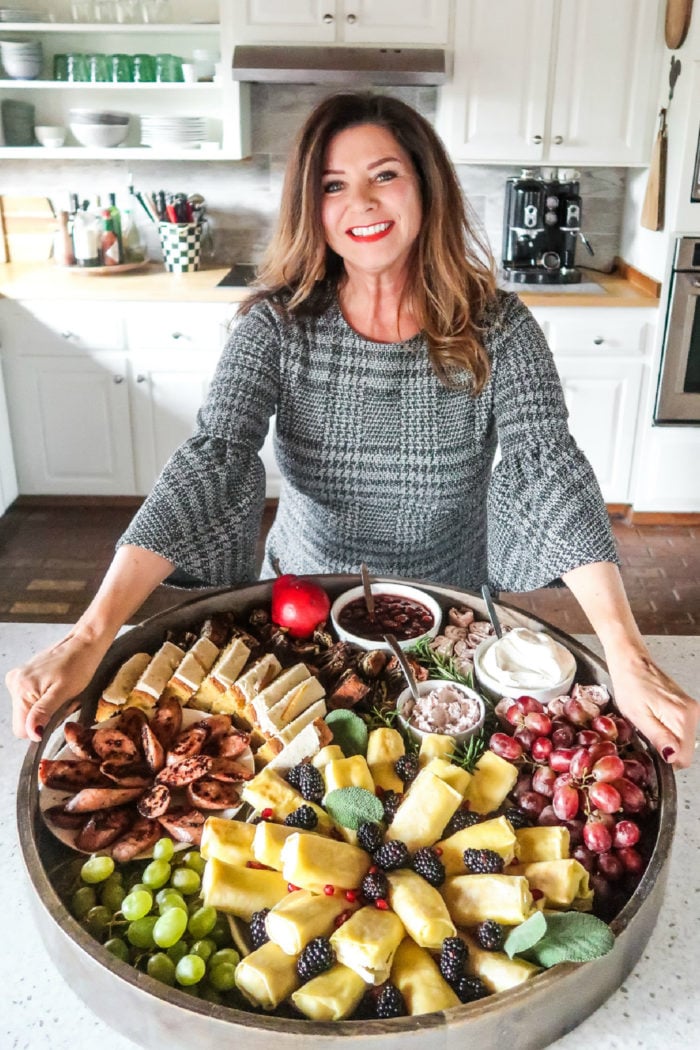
(299, 605)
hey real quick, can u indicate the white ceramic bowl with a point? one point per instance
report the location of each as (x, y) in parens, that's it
(100, 136)
(21, 68)
(404, 591)
(405, 700)
(50, 135)
(492, 689)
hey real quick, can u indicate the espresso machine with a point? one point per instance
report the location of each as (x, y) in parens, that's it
(541, 227)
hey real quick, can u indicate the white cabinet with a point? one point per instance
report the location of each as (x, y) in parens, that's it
(342, 21)
(602, 359)
(8, 475)
(557, 81)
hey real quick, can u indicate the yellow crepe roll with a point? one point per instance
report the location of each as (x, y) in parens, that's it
(425, 810)
(453, 775)
(435, 745)
(384, 747)
(227, 840)
(417, 977)
(268, 790)
(420, 908)
(267, 976)
(268, 841)
(327, 754)
(472, 899)
(312, 862)
(367, 942)
(301, 916)
(496, 835)
(493, 780)
(332, 996)
(241, 891)
(348, 772)
(496, 970)
(536, 844)
(564, 883)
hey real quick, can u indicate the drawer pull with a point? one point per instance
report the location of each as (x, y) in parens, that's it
(351, 19)
(68, 335)
(140, 378)
(118, 379)
(537, 139)
(178, 335)
(558, 139)
(328, 19)
(598, 341)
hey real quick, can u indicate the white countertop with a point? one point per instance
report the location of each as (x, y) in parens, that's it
(657, 1008)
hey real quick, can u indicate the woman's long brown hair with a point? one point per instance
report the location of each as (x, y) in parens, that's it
(452, 277)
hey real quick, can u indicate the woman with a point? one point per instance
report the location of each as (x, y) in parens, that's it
(394, 367)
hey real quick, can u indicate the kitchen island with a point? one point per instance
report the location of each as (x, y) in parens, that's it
(657, 1007)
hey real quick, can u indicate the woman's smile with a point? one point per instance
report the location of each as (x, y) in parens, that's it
(371, 233)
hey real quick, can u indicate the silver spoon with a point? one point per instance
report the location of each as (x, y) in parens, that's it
(367, 587)
(491, 610)
(398, 652)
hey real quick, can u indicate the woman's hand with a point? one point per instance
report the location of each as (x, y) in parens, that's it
(48, 680)
(656, 705)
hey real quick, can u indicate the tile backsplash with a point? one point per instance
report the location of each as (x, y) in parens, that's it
(243, 196)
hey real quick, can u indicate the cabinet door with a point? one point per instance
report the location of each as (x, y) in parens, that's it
(285, 21)
(603, 402)
(393, 21)
(494, 108)
(70, 424)
(603, 92)
(8, 475)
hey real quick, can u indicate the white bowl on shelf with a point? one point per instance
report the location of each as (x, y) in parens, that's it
(100, 136)
(50, 135)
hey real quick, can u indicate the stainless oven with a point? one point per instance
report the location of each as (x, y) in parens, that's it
(678, 393)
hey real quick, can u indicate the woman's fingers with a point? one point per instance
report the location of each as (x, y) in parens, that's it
(41, 711)
(660, 709)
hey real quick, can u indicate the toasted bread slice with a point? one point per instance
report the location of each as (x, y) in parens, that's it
(268, 697)
(292, 704)
(192, 669)
(155, 677)
(118, 690)
(211, 694)
(275, 744)
(255, 679)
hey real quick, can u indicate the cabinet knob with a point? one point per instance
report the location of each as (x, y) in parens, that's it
(537, 139)
(598, 341)
(351, 19)
(68, 335)
(140, 378)
(328, 19)
(558, 139)
(178, 335)
(118, 379)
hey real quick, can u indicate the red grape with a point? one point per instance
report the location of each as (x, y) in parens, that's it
(548, 818)
(540, 723)
(523, 783)
(555, 708)
(560, 759)
(576, 712)
(631, 860)
(575, 829)
(563, 780)
(532, 803)
(563, 735)
(596, 836)
(543, 781)
(514, 715)
(605, 747)
(610, 865)
(587, 737)
(635, 771)
(565, 802)
(580, 763)
(604, 725)
(626, 834)
(625, 731)
(605, 797)
(526, 737)
(602, 890)
(584, 856)
(506, 747)
(633, 798)
(608, 768)
(528, 703)
(541, 748)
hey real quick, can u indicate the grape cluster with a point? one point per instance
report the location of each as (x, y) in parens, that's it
(151, 914)
(578, 769)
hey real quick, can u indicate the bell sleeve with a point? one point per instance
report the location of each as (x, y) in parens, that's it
(205, 509)
(545, 510)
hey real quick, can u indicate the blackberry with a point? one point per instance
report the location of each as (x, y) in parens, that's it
(303, 817)
(428, 865)
(490, 935)
(517, 818)
(375, 886)
(294, 774)
(392, 855)
(370, 836)
(469, 989)
(483, 862)
(406, 767)
(391, 803)
(462, 819)
(390, 1002)
(311, 783)
(317, 957)
(258, 933)
(453, 956)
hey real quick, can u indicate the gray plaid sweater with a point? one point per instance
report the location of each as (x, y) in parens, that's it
(380, 462)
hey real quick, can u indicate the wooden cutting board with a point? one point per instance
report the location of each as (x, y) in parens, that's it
(678, 14)
(655, 196)
(29, 225)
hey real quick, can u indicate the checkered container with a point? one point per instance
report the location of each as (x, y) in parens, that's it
(182, 245)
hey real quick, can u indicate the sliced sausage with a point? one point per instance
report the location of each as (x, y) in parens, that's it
(127, 774)
(230, 771)
(66, 774)
(79, 740)
(188, 744)
(216, 727)
(112, 743)
(231, 745)
(90, 799)
(69, 821)
(185, 772)
(130, 722)
(212, 794)
(185, 825)
(166, 721)
(142, 836)
(104, 828)
(154, 802)
(152, 748)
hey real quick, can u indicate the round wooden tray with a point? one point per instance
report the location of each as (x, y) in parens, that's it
(108, 271)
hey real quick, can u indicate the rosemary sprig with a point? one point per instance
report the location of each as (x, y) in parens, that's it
(439, 665)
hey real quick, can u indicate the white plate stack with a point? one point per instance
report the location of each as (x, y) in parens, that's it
(21, 59)
(167, 132)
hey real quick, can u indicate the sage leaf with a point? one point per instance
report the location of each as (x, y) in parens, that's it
(571, 936)
(526, 935)
(349, 732)
(353, 806)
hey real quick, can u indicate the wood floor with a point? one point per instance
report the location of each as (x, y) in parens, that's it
(52, 559)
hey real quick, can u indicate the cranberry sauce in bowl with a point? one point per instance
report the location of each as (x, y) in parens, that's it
(406, 612)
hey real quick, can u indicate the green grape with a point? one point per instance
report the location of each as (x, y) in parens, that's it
(194, 859)
(186, 880)
(161, 967)
(167, 899)
(137, 904)
(221, 934)
(224, 955)
(112, 895)
(133, 879)
(82, 901)
(190, 970)
(169, 927)
(117, 947)
(156, 874)
(193, 905)
(163, 849)
(204, 948)
(176, 951)
(222, 977)
(202, 922)
(140, 932)
(97, 921)
(209, 994)
(138, 886)
(96, 869)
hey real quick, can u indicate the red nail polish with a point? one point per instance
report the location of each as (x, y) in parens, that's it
(39, 730)
(668, 753)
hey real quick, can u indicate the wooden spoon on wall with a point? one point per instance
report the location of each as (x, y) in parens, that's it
(678, 14)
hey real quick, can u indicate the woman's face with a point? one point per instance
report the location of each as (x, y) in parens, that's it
(371, 206)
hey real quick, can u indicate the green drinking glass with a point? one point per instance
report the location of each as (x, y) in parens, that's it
(122, 69)
(144, 69)
(100, 71)
(78, 67)
(169, 69)
(60, 67)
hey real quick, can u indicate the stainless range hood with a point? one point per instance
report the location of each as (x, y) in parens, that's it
(339, 65)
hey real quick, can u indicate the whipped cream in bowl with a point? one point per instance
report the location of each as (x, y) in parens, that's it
(446, 708)
(524, 662)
